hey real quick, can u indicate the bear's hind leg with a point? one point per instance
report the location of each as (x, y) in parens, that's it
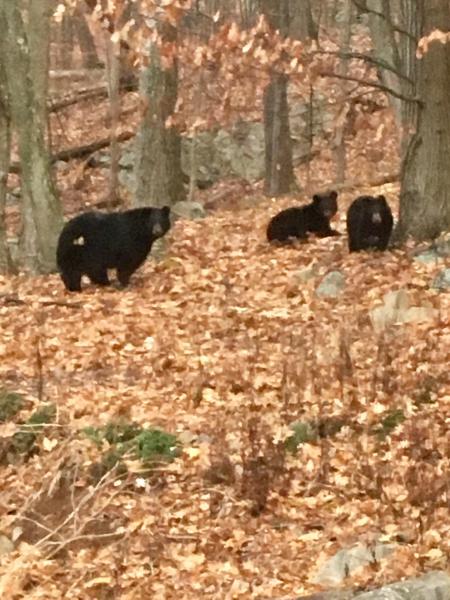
(72, 280)
(123, 275)
(99, 276)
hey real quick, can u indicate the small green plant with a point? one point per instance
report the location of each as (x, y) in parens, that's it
(24, 441)
(389, 423)
(148, 445)
(303, 432)
(10, 404)
(156, 444)
(114, 433)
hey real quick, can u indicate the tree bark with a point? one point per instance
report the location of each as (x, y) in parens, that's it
(339, 146)
(113, 74)
(85, 40)
(159, 178)
(302, 25)
(425, 180)
(6, 265)
(279, 170)
(395, 27)
(41, 212)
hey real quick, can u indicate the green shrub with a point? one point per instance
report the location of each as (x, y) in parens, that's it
(24, 441)
(303, 432)
(148, 445)
(10, 404)
(389, 423)
(154, 443)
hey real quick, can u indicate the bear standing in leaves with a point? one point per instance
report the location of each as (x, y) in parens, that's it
(93, 242)
(298, 221)
(369, 223)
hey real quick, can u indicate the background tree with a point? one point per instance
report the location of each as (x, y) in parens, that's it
(425, 179)
(25, 48)
(159, 178)
(279, 177)
(5, 147)
(421, 103)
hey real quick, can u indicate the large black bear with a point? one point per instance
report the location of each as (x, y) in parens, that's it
(369, 223)
(298, 221)
(93, 242)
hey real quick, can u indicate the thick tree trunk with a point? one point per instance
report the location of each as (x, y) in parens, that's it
(85, 40)
(279, 170)
(5, 146)
(159, 178)
(41, 213)
(65, 43)
(302, 25)
(425, 185)
(339, 146)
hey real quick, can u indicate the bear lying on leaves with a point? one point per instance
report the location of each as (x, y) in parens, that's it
(93, 242)
(369, 223)
(298, 221)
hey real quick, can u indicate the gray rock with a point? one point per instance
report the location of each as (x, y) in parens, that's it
(442, 281)
(427, 256)
(331, 285)
(347, 561)
(397, 309)
(432, 586)
(189, 210)
(238, 151)
(440, 248)
(337, 595)
(442, 245)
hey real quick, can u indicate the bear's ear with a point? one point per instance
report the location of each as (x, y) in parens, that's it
(316, 198)
(166, 210)
(333, 194)
(382, 198)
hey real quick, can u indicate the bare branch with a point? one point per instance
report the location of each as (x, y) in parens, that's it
(363, 8)
(374, 84)
(369, 59)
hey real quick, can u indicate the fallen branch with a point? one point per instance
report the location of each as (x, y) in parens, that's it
(88, 94)
(79, 151)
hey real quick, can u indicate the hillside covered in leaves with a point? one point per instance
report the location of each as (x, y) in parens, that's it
(218, 429)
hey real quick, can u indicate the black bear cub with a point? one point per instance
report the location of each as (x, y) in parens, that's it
(93, 242)
(369, 223)
(298, 221)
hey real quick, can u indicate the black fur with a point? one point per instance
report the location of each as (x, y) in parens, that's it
(369, 223)
(298, 221)
(93, 242)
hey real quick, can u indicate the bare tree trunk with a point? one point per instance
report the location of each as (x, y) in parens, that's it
(85, 40)
(340, 151)
(64, 40)
(302, 25)
(279, 170)
(6, 265)
(38, 32)
(41, 212)
(425, 186)
(386, 48)
(113, 72)
(395, 26)
(279, 176)
(159, 178)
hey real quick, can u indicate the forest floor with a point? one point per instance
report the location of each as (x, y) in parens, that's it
(224, 344)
